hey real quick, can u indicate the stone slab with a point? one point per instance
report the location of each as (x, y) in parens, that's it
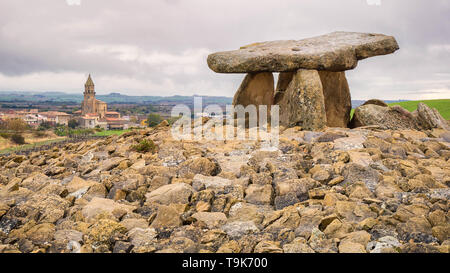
(337, 51)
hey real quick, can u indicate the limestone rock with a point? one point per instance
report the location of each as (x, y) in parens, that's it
(168, 216)
(259, 194)
(446, 136)
(376, 102)
(349, 143)
(211, 219)
(353, 173)
(104, 232)
(200, 165)
(256, 89)
(132, 223)
(430, 118)
(66, 237)
(9, 249)
(286, 200)
(78, 183)
(337, 51)
(140, 237)
(99, 206)
(303, 102)
(238, 229)
(442, 233)
(394, 118)
(350, 247)
(384, 245)
(330, 136)
(246, 212)
(284, 79)
(288, 219)
(300, 187)
(336, 93)
(214, 183)
(172, 193)
(299, 245)
(359, 237)
(337, 229)
(41, 234)
(268, 247)
(318, 242)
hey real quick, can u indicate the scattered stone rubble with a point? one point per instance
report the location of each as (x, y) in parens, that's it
(336, 190)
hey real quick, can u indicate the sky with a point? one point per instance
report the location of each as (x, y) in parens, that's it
(160, 47)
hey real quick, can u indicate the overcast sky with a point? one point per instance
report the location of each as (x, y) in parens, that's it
(159, 47)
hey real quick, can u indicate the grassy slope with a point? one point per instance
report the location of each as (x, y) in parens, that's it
(16, 148)
(112, 132)
(6, 146)
(443, 106)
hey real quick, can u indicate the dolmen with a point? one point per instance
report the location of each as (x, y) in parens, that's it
(312, 90)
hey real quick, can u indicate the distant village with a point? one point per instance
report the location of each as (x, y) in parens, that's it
(93, 114)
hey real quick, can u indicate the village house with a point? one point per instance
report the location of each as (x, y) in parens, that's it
(55, 117)
(33, 118)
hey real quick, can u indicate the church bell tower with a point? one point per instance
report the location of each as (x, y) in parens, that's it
(89, 97)
(89, 87)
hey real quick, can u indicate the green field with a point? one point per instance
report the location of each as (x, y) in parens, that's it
(53, 141)
(30, 146)
(443, 106)
(111, 133)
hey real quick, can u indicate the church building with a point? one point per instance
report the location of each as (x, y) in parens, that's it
(94, 112)
(90, 104)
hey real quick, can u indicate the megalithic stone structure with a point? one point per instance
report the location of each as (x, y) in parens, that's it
(312, 90)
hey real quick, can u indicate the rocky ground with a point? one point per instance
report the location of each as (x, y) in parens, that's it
(339, 190)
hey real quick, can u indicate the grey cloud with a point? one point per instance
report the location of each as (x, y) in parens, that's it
(159, 47)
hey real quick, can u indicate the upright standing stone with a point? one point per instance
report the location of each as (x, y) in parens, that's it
(303, 103)
(284, 79)
(336, 95)
(338, 102)
(256, 89)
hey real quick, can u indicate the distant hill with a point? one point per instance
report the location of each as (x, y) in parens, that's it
(112, 98)
(356, 103)
(118, 98)
(443, 106)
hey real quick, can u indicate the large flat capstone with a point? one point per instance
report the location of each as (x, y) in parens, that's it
(337, 51)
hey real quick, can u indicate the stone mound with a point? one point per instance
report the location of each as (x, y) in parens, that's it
(340, 190)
